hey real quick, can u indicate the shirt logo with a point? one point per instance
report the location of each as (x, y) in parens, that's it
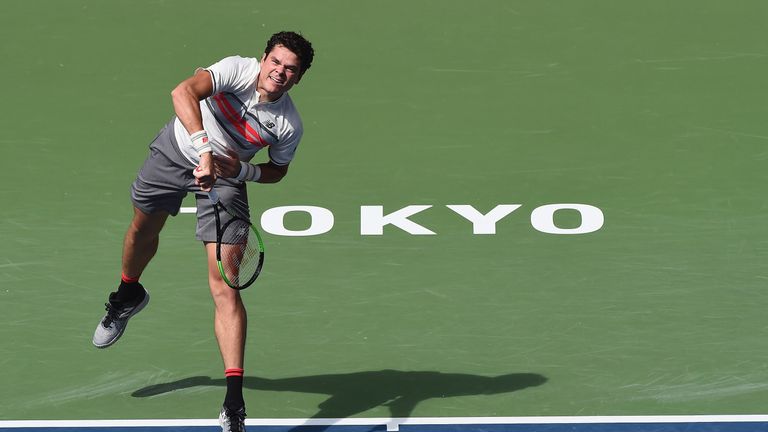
(269, 124)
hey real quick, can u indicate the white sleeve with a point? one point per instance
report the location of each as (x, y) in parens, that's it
(282, 153)
(233, 74)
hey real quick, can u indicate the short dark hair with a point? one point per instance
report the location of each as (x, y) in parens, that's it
(297, 44)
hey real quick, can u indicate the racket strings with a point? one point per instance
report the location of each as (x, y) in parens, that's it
(240, 253)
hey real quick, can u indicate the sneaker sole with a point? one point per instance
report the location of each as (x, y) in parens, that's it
(135, 311)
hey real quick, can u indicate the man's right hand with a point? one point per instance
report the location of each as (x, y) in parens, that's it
(205, 173)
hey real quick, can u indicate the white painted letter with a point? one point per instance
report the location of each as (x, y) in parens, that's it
(484, 224)
(372, 220)
(321, 221)
(542, 218)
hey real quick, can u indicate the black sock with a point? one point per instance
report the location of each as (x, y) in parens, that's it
(129, 292)
(234, 398)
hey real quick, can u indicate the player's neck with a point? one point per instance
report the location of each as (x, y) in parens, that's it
(265, 97)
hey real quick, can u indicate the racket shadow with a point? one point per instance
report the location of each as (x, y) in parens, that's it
(353, 393)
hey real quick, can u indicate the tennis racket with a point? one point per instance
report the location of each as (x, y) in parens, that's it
(239, 247)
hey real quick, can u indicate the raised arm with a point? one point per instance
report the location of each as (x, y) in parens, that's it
(187, 96)
(186, 102)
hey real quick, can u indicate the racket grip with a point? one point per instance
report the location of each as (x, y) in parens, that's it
(213, 196)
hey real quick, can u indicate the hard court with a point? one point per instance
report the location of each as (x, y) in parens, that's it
(504, 216)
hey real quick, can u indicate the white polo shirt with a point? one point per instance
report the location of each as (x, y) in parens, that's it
(234, 119)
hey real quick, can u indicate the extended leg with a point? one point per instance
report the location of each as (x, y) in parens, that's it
(139, 246)
(230, 324)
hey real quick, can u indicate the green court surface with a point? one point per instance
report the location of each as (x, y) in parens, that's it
(653, 112)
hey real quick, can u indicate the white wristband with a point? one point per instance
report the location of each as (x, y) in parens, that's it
(249, 172)
(200, 142)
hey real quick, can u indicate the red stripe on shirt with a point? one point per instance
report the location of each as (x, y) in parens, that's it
(240, 124)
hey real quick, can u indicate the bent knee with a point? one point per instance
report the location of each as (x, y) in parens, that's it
(144, 224)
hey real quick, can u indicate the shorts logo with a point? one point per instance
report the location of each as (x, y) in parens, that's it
(269, 124)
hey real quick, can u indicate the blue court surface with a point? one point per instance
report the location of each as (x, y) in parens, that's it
(749, 423)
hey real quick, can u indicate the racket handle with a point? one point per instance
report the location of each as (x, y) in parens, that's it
(213, 196)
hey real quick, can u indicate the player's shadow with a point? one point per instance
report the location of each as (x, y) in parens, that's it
(353, 393)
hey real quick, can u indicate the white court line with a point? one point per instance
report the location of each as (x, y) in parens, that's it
(393, 424)
(188, 210)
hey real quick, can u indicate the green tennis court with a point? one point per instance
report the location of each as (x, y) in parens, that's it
(653, 113)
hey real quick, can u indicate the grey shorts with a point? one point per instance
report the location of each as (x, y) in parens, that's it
(166, 178)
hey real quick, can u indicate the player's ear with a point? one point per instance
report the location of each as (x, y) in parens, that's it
(300, 75)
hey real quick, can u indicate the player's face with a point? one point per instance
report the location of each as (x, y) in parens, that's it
(279, 72)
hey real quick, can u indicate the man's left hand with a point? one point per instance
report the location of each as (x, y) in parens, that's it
(227, 166)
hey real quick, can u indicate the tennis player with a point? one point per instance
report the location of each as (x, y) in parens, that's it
(225, 114)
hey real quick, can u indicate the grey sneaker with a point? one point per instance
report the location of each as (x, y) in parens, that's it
(232, 420)
(112, 326)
